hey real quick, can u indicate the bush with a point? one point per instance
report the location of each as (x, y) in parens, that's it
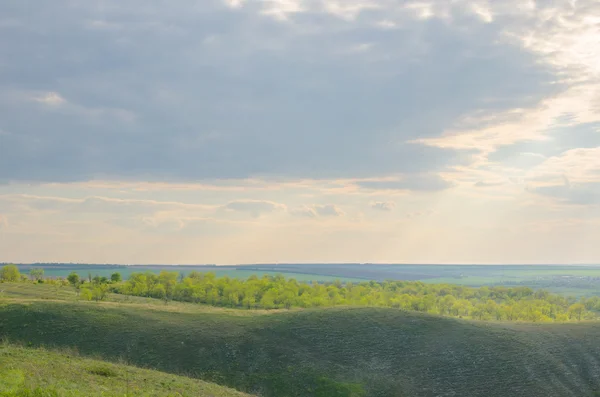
(10, 274)
(103, 371)
(85, 294)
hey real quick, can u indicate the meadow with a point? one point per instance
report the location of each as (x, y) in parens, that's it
(322, 352)
(42, 372)
(56, 342)
(340, 351)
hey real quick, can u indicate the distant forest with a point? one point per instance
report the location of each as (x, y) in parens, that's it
(483, 303)
(499, 303)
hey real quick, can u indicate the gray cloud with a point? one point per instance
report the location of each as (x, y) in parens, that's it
(95, 204)
(426, 183)
(304, 211)
(383, 205)
(154, 92)
(328, 210)
(578, 194)
(254, 207)
(561, 138)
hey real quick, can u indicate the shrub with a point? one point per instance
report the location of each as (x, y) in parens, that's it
(103, 371)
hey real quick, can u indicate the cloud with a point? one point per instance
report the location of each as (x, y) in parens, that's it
(580, 166)
(329, 210)
(488, 184)
(423, 183)
(50, 98)
(255, 207)
(96, 204)
(386, 206)
(580, 194)
(419, 214)
(304, 211)
(269, 95)
(315, 211)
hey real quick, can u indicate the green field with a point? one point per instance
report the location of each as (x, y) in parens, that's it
(342, 351)
(55, 373)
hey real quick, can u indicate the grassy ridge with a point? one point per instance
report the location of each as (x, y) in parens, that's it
(50, 373)
(324, 352)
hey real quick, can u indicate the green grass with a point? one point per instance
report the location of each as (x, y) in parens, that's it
(65, 374)
(327, 352)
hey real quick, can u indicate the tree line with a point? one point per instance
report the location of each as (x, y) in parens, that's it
(268, 292)
(90, 288)
(277, 292)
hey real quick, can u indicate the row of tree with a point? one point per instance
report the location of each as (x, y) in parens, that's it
(11, 273)
(495, 303)
(492, 303)
(92, 288)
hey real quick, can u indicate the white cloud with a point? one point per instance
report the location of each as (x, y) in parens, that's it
(315, 211)
(235, 3)
(50, 98)
(489, 184)
(581, 165)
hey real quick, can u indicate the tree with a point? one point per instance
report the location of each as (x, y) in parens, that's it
(73, 278)
(159, 292)
(36, 274)
(10, 274)
(116, 277)
(86, 294)
(99, 292)
(499, 303)
(576, 310)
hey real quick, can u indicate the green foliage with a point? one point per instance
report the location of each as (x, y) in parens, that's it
(103, 370)
(484, 303)
(116, 277)
(86, 294)
(10, 273)
(36, 274)
(73, 278)
(99, 292)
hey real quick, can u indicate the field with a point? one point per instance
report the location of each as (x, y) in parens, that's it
(568, 280)
(64, 373)
(342, 351)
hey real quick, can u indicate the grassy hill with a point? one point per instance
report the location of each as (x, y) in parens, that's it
(321, 352)
(43, 373)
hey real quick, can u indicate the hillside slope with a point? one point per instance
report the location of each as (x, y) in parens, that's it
(328, 352)
(60, 374)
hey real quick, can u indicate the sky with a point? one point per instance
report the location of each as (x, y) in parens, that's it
(266, 131)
